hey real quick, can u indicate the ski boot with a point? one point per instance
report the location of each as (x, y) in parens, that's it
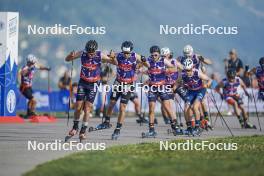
(205, 124)
(142, 120)
(82, 135)
(116, 134)
(166, 120)
(73, 131)
(150, 134)
(31, 113)
(193, 131)
(105, 125)
(249, 125)
(241, 122)
(177, 131)
(156, 121)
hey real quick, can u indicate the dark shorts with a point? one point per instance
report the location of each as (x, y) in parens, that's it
(195, 95)
(182, 92)
(156, 93)
(86, 91)
(28, 93)
(261, 95)
(117, 93)
(133, 96)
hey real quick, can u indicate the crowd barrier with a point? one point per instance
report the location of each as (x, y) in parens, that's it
(57, 101)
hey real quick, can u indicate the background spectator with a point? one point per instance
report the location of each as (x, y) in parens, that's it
(64, 81)
(234, 63)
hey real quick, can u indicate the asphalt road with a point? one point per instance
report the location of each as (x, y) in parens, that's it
(15, 158)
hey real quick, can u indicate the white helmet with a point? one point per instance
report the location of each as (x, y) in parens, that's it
(165, 51)
(188, 51)
(188, 64)
(31, 58)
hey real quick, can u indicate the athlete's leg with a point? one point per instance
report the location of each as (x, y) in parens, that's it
(136, 105)
(110, 108)
(196, 109)
(232, 102)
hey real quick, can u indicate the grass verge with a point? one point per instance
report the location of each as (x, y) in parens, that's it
(147, 159)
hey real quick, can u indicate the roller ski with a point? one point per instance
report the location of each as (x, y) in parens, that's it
(142, 120)
(248, 125)
(205, 125)
(102, 126)
(116, 134)
(71, 134)
(176, 131)
(193, 132)
(150, 134)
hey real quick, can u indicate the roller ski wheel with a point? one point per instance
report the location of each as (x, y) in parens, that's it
(101, 126)
(193, 132)
(152, 134)
(175, 132)
(115, 135)
(90, 129)
(71, 134)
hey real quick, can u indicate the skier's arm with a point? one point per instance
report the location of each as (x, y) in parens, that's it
(169, 64)
(252, 71)
(205, 78)
(142, 59)
(218, 88)
(109, 58)
(73, 55)
(205, 60)
(244, 87)
(179, 65)
(42, 67)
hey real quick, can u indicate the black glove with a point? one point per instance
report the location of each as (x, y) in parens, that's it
(201, 58)
(143, 59)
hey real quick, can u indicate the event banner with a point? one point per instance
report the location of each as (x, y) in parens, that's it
(57, 101)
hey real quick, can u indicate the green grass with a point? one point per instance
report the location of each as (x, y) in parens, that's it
(147, 159)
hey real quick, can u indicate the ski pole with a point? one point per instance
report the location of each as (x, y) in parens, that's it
(254, 99)
(70, 91)
(221, 116)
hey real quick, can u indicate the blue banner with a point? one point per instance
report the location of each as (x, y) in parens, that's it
(46, 101)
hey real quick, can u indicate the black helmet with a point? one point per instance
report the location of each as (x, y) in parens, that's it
(127, 46)
(231, 73)
(91, 46)
(154, 48)
(261, 62)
